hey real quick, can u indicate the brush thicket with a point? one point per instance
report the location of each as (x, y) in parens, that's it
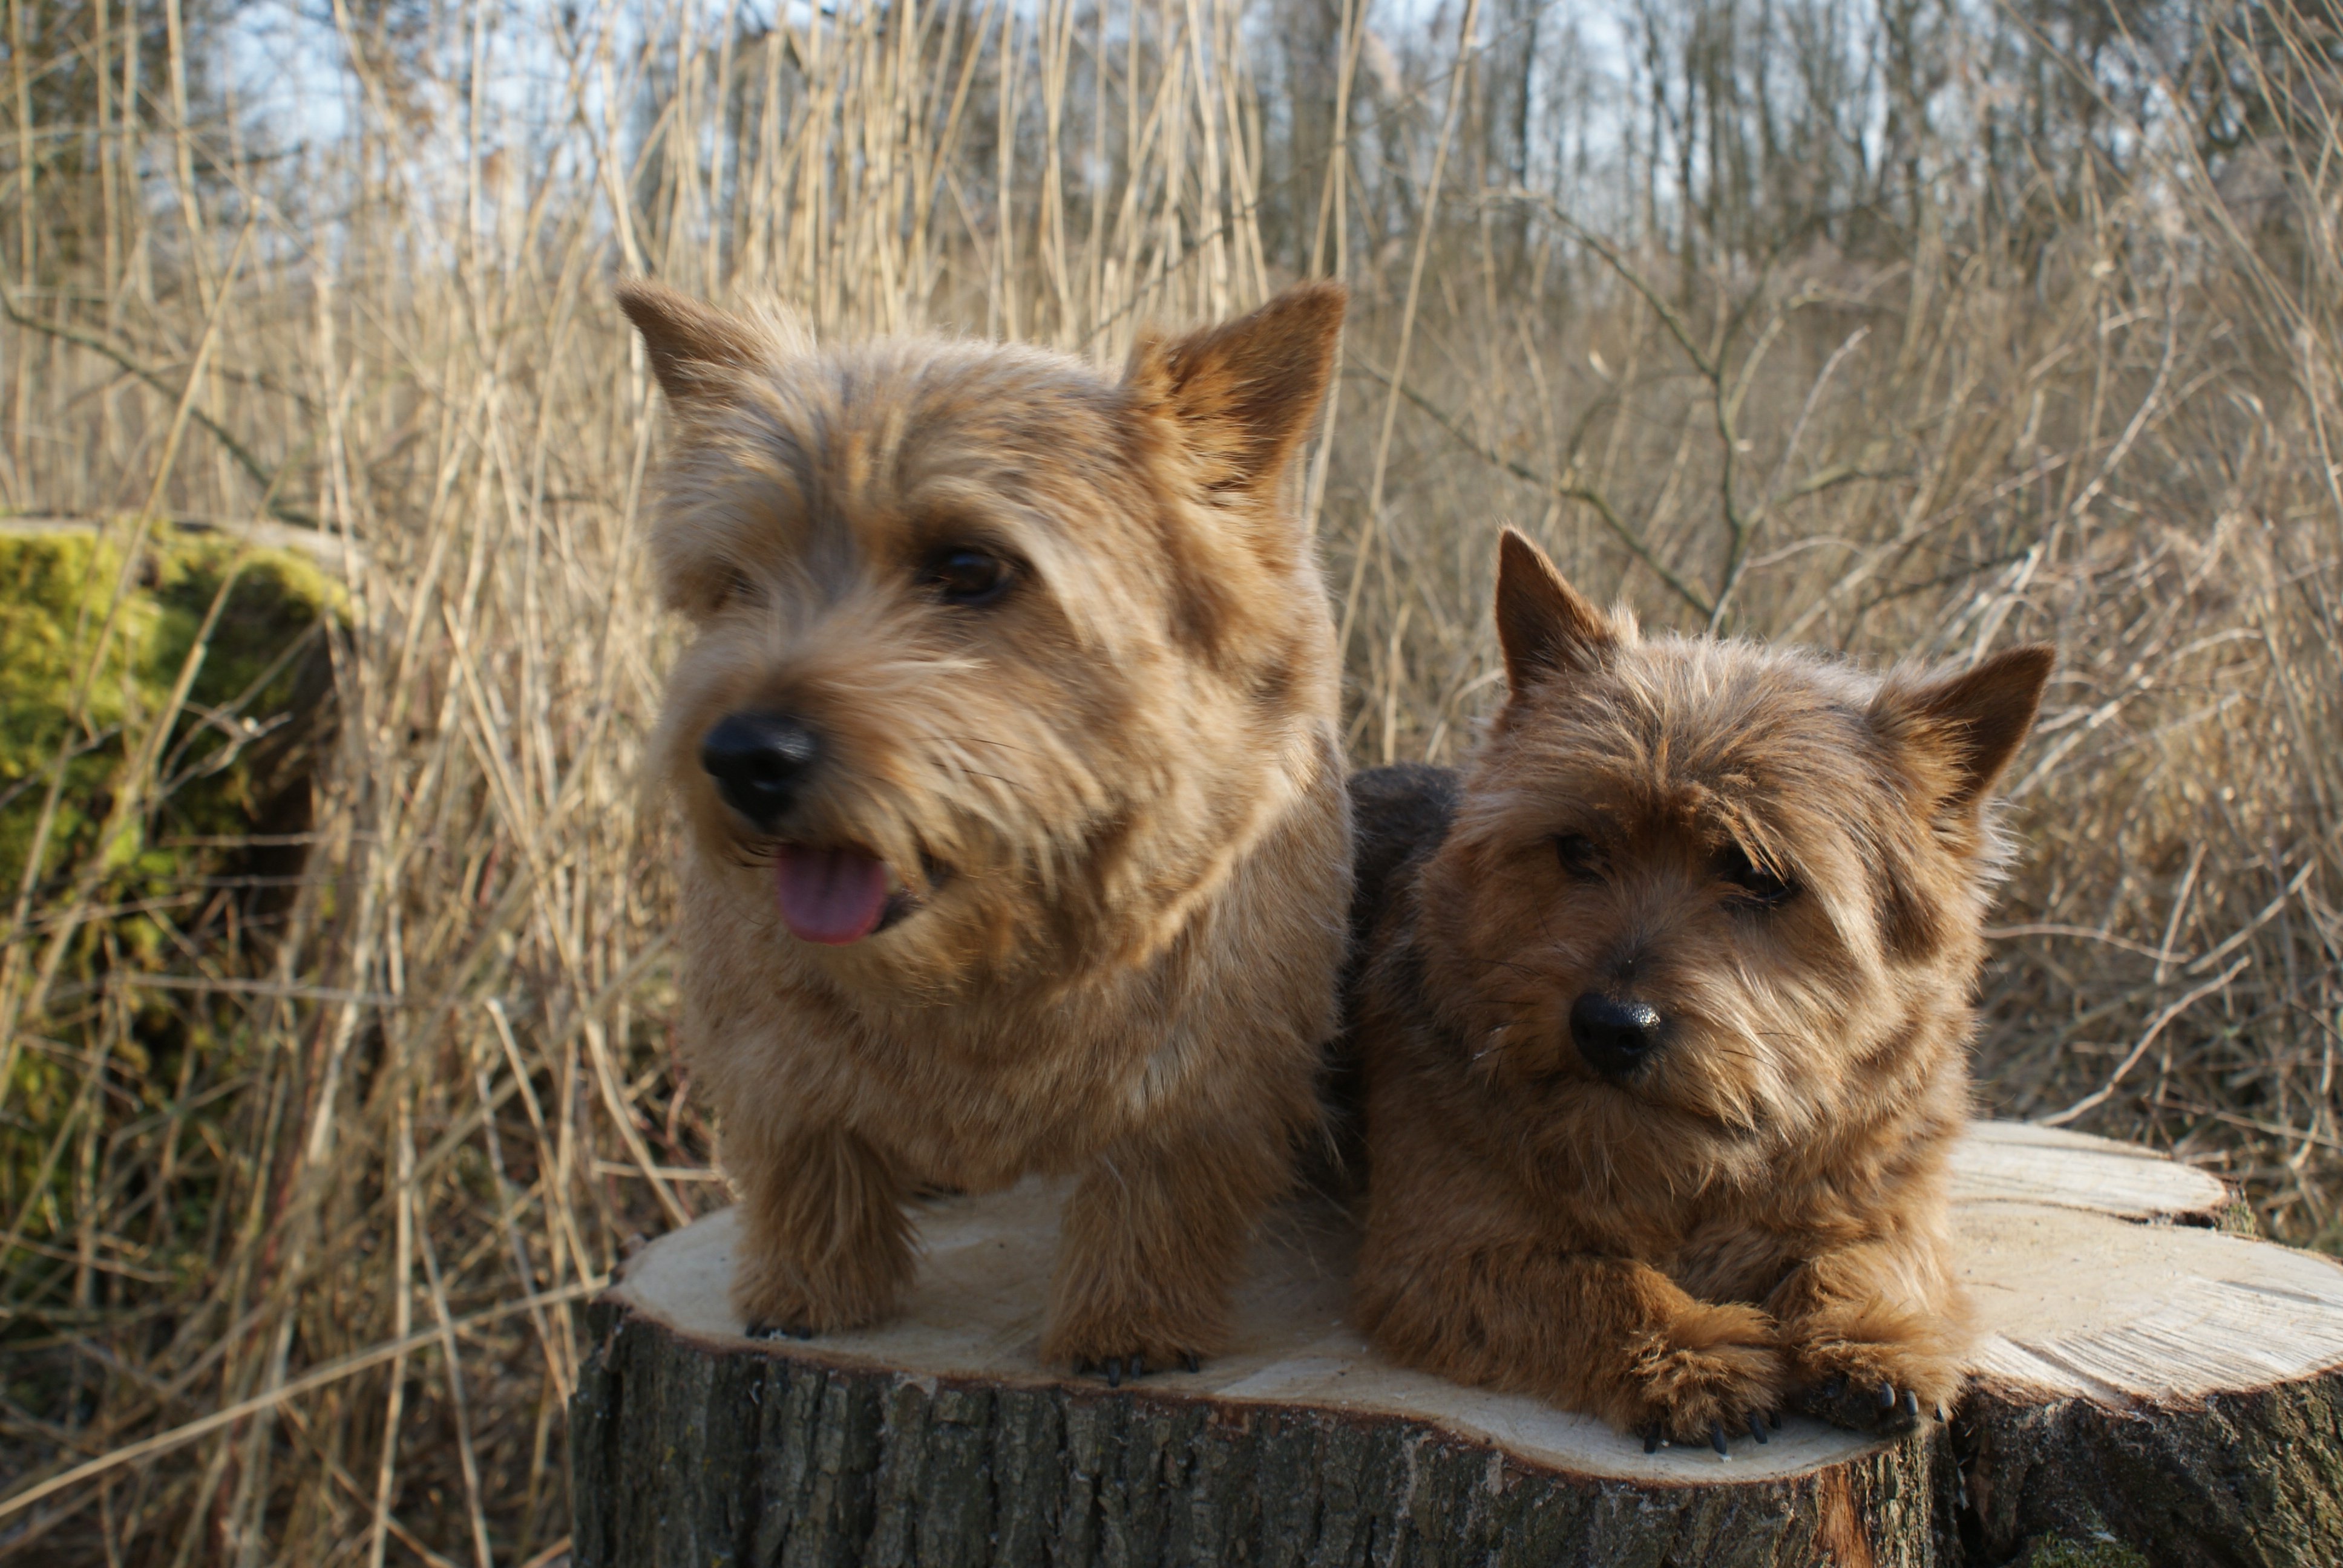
(303, 1184)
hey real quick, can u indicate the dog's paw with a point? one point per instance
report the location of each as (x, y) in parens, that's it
(1137, 1365)
(759, 1330)
(1716, 1374)
(775, 1303)
(1882, 1386)
(1116, 1345)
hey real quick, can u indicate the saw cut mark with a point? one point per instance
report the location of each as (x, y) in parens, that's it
(2081, 1304)
(2017, 1162)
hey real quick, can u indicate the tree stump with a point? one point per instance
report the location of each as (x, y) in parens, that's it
(2149, 1388)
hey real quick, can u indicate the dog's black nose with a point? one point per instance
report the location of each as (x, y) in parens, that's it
(759, 760)
(1613, 1038)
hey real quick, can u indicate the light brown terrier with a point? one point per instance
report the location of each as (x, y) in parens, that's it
(1665, 1023)
(1017, 838)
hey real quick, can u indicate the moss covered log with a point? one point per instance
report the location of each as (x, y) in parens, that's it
(163, 696)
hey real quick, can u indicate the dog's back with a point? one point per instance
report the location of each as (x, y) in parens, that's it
(1398, 815)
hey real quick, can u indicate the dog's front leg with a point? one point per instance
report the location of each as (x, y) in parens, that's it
(1611, 1336)
(1876, 1332)
(1149, 1247)
(824, 1241)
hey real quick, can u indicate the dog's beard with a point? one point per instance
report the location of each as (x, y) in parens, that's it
(1021, 827)
(950, 904)
(1752, 1068)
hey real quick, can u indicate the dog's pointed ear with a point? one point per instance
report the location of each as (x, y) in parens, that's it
(690, 345)
(1242, 394)
(1546, 626)
(1970, 724)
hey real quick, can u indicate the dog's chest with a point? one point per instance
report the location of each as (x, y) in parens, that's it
(1726, 1257)
(979, 1107)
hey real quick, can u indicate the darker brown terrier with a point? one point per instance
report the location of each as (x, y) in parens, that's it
(1665, 1017)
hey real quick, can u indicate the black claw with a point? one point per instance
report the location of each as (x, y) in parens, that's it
(1652, 1438)
(1716, 1438)
(1912, 1404)
(1114, 1371)
(760, 1329)
(1189, 1361)
(1757, 1427)
(1888, 1396)
(1774, 1419)
(1940, 1411)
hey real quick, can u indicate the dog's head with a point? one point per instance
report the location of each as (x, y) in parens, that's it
(1707, 896)
(992, 652)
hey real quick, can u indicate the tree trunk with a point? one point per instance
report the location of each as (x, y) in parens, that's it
(2149, 1389)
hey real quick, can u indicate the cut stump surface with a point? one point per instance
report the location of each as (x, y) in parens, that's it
(2149, 1388)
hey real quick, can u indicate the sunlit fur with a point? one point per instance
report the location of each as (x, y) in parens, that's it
(1762, 1207)
(1110, 801)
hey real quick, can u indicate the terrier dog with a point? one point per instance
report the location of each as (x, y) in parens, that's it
(1664, 1023)
(1016, 833)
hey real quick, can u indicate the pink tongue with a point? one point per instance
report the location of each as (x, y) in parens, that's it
(833, 896)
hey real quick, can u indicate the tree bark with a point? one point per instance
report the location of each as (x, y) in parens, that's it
(2149, 1389)
(2173, 1389)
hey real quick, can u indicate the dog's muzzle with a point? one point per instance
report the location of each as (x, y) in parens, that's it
(759, 762)
(1616, 1039)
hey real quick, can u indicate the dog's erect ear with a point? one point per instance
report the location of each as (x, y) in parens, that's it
(1546, 626)
(1244, 394)
(687, 341)
(1971, 723)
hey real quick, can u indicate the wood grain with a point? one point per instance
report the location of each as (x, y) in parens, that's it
(2143, 1379)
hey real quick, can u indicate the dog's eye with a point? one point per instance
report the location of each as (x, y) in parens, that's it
(1751, 883)
(1578, 854)
(738, 588)
(967, 578)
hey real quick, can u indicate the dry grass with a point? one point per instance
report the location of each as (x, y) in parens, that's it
(302, 1212)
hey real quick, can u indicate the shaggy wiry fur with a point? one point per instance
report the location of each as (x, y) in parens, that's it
(1057, 665)
(1741, 1197)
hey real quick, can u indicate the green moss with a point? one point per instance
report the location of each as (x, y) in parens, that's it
(57, 589)
(2059, 1551)
(88, 723)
